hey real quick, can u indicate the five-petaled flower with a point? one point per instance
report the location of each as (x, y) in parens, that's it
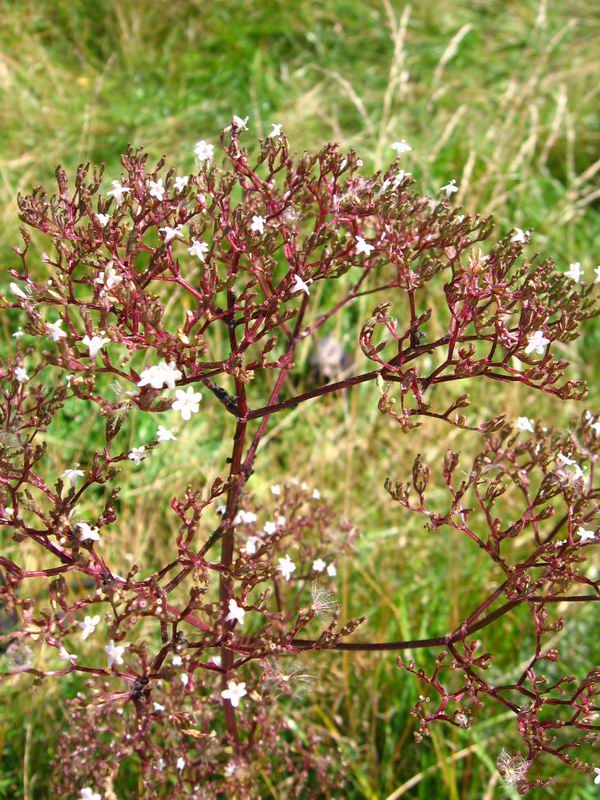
(258, 224)
(241, 123)
(574, 272)
(299, 285)
(187, 403)
(401, 147)
(203, 151)
(165, 435)
(88, 626)
(234, 693)
(21, 374)
(118, 191)
(71, 474)
(88, 533)
(137, 454)
(55, 332)
(94, 344)
(114, 653)
(275, 131)
(180, 762)
(236, 612)
(244, 517)
(585, 535)
(199, 249)
(156, 189)
(520, 236)
(286, 567)
(181, 181)
(537, 343)
(449, 188)
(251, 545)
(319, 565)
(103, 219)
(363, 247)
(331, 571)
(525, 424)
(171, 233)
(160, 375)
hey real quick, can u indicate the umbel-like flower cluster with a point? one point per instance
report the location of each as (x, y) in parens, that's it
(189, 290)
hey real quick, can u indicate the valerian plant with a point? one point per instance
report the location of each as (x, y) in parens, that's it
(188, 290)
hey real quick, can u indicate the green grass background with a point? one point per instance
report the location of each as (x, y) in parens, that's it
(501, 95)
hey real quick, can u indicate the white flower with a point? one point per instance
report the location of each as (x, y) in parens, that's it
(54, 330)
(103, 219)
(565, 461)
(109, 277)
(270, 528)
(199, 249)
(258, 224)
(215, 660)
(171, 233)
(331, 571)
(18, 333)
(160, 375)
(88, 532)
(236, 612)
(316, 495)
(574, 272)
(449, 188)
(88, 626)
(363, 247)
(584, 534)
(16, 290)
(276, 489)
(114, 653)
(595, 426)
(597, 778)
(21, 374)
(401, 147)
(137, 454)
(299, 285)
(234, 693)
(94, 344)
(185, 679)
(118, 191)
(525, 424)
(89, 794)
(158, 706)
(187, 403)
(65, 655)
(244, 517)
(520, 236)
(286, 567)
(165, 435)
(71, 474)
(240, 123)
(251, 545)
(177, 661)
(203, 150)
(537, 343)
(181, 181)
(157, 189)
(280, 521)
(597, 271)
(180, 762)
(275, 131)
(319, 565)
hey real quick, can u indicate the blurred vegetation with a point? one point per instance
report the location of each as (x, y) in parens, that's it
(500, 94)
